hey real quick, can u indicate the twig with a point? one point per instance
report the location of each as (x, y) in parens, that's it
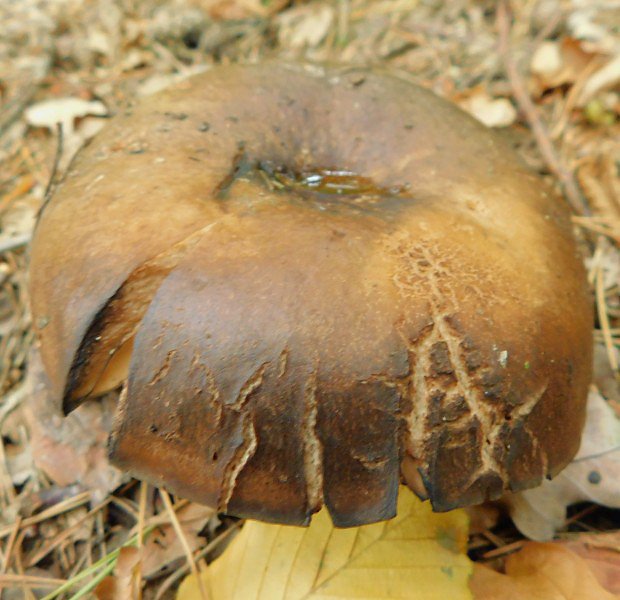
(343, 22)
(503, 550)
(29, 580)
(494, 539)
(539, 129)
(99, 525)
(188, 552)
(10, 545)
(41, 553)
(603, 318)
(127, 506)
(159, 519)
(141, 516)
(107, 564)
(52, 182)
(184, 569)
(19, 567)
(582, 513)
(53, 511)
(599, 225)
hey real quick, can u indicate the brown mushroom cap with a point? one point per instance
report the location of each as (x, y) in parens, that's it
(316, 282)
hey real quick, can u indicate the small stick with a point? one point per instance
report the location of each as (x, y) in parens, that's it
(503, 550)
(171, 579)
(157, 520)
(599, 225)
(19, 567)
(144, 487)
(51, 184)
(603, 317)
(494, 539)
(66, 533)
(343, 22)
(9, 547)
(188, 552)
(53, 511)
(539, 129)
(29, 580)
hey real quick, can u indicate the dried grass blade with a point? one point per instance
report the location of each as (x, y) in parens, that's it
(188, 553)
(603, 317)
(10, 545)
(52, 511)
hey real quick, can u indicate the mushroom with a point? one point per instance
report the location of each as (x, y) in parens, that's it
(313, 284)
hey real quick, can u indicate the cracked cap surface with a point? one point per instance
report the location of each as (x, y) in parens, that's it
(314, 284)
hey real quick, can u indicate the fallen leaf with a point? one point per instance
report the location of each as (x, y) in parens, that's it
(593, 475)
(163, 546)
(539, 572)
(417, 555)
(122, 584)
(557, 63)
(602, 553)
(70, 449)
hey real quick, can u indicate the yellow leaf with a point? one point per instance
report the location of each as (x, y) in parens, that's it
(417, 555)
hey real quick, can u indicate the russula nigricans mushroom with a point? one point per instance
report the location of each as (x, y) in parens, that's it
(313, 284)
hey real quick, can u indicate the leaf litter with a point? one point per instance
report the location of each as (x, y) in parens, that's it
(546, 72)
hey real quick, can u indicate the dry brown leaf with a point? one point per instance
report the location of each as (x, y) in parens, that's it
(72, 449)
(122, 584)
(602, 553)
(557, 63)
(163, 546)
(540, 572)
(593, 475)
